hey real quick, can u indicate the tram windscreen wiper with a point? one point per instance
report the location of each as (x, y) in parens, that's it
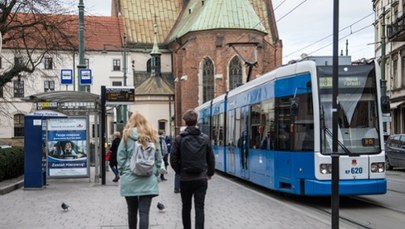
(347, 151)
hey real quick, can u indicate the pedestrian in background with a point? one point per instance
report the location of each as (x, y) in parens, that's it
(113, 158)
(165, 152)
(177, 175)
(138, 190)
(193, 159)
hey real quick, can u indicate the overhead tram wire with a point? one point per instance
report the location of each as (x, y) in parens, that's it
(261, 21)
(324, 38)
(359, 30)
(285, 15)
(279, 5)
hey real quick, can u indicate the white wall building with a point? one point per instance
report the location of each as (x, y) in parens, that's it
(105, 57)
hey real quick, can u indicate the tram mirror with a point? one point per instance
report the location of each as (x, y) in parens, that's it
(294, 107)
(385, 104)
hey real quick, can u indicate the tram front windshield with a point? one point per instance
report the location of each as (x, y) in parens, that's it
(357, 110)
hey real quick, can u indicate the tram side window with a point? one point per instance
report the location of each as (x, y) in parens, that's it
(204, 125)
(221, 137)
(217, 130)
(267, 140)
(282, 140)
(258, 122)
(303, 123)
(241, 130)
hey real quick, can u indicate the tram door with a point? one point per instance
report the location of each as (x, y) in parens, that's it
(231, 146)
(244, 139)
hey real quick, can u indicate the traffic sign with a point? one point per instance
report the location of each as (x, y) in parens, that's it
(85, 76)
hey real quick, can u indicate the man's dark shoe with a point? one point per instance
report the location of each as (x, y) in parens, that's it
(176, 191)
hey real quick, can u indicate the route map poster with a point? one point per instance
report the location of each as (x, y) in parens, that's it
(67, 147)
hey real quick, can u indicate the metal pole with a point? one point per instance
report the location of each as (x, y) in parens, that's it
(103, 134)
(383, 81)
(335, 154)
(124, 107)
(81, 43)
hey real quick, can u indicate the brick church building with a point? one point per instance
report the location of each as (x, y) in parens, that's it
(206, 47)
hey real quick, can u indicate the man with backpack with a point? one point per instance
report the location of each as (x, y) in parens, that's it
(192, 158)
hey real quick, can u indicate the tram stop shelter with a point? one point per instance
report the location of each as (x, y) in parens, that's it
(75, 104)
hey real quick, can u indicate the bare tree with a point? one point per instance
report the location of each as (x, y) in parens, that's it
(34, 29)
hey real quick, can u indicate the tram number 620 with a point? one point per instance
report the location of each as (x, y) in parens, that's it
(355, 170)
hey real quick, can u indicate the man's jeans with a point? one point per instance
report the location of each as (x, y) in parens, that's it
(198, 188)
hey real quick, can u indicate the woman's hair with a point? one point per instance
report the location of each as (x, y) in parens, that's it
(143, 126)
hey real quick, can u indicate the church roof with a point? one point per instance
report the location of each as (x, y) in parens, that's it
(217, 14)
(154, 85)
(170, 15)
(140, 16)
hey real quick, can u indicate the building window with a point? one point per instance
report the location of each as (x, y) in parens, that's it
(116, 65)
(395, 74)
(403, 72)
(149, 66)
(18, 88)
(49, 85)
(162, 125)
(117, 83)
(48, 63)
(18, 125)
(235, 73)
(208, 80)
(87, 63)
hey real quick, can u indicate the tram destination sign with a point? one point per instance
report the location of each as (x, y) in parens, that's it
(120, 95)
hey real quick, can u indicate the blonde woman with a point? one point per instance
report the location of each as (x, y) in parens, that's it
(138, 190)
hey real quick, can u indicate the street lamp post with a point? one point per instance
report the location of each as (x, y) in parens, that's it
(335, 154)
(124, 107)
(81, 64)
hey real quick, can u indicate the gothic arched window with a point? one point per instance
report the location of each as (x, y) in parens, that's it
(208, 80)
(235, 73)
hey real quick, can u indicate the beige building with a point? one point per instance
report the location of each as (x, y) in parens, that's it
(390, 45)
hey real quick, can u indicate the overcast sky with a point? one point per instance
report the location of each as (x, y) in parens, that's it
(306, 26)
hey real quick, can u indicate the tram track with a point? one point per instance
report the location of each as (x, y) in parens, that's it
(371, 212)
(396, 191)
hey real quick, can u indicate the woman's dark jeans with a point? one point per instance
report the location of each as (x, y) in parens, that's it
(141, 203)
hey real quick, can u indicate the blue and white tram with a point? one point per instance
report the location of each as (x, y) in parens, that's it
(276, 131)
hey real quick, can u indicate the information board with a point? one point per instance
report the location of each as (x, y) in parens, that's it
(120, 95)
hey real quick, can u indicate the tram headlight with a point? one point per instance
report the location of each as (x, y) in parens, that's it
(325, 168)
(378, 167)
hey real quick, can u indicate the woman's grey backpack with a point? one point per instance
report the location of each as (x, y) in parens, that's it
(143, 159)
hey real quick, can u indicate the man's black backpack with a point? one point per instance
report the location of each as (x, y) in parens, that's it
(193, 153)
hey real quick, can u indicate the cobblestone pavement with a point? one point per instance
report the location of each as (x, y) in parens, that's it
(92, 205)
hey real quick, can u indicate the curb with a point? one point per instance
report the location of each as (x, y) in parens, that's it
(11, 187)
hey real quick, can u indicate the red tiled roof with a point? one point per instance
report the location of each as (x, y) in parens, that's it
(100, 32)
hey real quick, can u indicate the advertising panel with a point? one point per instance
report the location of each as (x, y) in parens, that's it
(67, 147)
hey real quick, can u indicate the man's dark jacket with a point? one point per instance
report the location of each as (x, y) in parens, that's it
(190, 134)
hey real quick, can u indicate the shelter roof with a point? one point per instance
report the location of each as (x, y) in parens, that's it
(63, 96)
